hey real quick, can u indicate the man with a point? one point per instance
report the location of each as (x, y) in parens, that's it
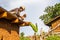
(17, 12)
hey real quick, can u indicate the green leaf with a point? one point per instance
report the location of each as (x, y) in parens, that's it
(34, 27)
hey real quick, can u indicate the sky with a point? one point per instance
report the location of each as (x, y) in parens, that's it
(34, 9)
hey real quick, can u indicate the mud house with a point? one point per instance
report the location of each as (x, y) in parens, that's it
(9, 25)
(54, 24)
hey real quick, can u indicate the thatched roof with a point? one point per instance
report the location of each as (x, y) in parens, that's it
(13, 18)
(52, 20)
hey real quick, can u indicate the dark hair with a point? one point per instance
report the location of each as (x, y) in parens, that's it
(21, 8)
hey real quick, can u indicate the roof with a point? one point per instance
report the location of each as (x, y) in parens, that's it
(53, 19)
(13, 18)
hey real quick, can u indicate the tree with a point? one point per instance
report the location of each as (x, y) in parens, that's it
(52, 12)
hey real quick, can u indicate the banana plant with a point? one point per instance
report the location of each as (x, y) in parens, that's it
(34, 27)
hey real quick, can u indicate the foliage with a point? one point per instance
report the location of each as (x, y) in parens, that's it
(22, 34)
(26, 38)
(52, 12)
(53, 37)
(23, 38)
(34, 27)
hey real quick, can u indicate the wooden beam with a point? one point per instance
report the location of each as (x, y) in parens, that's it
(3, 15)
(16, 21)
(25, 24)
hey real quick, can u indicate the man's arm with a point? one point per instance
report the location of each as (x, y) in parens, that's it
(13, 10)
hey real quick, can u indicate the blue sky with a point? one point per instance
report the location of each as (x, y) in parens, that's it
(34, 9)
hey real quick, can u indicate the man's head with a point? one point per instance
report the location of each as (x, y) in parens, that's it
(22, 8)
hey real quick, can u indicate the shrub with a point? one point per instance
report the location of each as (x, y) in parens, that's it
(53, 37)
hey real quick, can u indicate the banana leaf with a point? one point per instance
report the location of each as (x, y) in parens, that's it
(34, 27)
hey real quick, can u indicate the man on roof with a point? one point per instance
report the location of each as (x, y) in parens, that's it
(17, 12)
